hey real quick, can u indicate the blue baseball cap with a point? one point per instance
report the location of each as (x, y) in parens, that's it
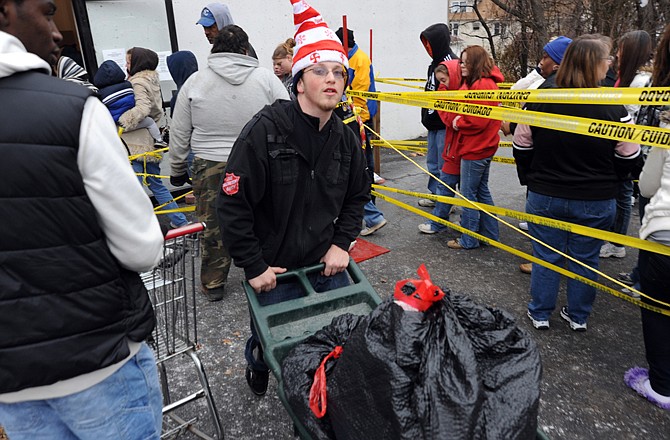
(206, 18)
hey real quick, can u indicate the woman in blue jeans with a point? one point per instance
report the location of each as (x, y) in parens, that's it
(476, 142)
(574, 178)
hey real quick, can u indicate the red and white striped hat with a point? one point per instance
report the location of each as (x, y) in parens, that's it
(315, 43)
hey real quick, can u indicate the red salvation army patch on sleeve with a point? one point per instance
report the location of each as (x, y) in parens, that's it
(231, 184)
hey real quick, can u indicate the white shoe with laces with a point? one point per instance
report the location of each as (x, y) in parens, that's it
(374, 228)
(609, 250)
(427, 228)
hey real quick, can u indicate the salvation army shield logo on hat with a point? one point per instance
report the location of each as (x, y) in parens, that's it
(231, 184)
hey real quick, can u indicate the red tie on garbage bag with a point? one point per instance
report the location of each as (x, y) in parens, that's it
(420, 294)
(317, 394)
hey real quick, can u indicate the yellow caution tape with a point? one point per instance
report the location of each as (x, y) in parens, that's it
(172, 211)
(505, 160)
(625, 240)
(397, 83)
(529, 257)
(424, 150)
(380, 143)
(401, 79)
(654, 136)
(600, 95)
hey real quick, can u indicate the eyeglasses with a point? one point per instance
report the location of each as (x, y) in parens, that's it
(610, 59)
(338, 73)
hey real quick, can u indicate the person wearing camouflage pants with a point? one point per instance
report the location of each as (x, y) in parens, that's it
(215, 261)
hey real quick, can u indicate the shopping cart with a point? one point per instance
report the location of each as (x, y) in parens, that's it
(172, 290)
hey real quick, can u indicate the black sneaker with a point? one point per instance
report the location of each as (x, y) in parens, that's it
(257, 380)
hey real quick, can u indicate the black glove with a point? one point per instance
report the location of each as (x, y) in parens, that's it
(180, 180)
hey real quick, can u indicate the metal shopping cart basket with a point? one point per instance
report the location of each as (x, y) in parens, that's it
(172, 290)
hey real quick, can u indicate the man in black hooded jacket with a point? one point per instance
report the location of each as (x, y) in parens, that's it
(436, 39)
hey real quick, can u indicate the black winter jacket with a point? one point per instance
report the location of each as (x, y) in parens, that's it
(574, 166)
(66, 305)
(439, 37)
(292, 191)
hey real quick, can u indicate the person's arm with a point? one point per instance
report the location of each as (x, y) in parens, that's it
(142, 109)
(470, 125)
(181, 130)
(652, 172)
(523, 151)
(627, 157)
(245, 178)
(124, 211)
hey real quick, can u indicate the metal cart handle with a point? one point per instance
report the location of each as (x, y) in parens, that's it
(185, 230)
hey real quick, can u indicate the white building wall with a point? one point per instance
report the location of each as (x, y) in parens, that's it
(396, 25)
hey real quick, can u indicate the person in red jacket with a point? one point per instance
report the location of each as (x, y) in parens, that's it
(476, 143)
(448, 73)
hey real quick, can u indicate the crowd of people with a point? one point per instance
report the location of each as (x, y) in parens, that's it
(283, 183)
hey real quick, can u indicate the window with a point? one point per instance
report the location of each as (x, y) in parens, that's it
(458, 6)
(454, 29)
(475, 25)
(497, 28)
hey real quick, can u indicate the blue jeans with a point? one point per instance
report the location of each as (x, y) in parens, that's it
(434, 160)
(372, 215)
(285, 292)
(544, 282)
(127, 406)
(159, 190)
(442, 209)
(624, 208)
(475, 187)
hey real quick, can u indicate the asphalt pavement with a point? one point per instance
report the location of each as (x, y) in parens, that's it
(583, 394)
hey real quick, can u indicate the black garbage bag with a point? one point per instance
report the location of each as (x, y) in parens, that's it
(300, 364)
(456, 371)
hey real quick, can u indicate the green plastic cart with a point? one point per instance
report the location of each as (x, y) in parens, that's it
(281, 326)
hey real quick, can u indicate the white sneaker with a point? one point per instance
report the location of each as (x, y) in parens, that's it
(574, 326)
(523, 226)
(609, 250)
(426, 203)
(427, 228)
(539, 324)
(374, 228)
(379, 180)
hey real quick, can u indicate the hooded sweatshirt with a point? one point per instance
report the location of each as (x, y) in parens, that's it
(478, 138)
(181, 64)
(116, 93)
(214, 105)
(452, 161)
(439, 38)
